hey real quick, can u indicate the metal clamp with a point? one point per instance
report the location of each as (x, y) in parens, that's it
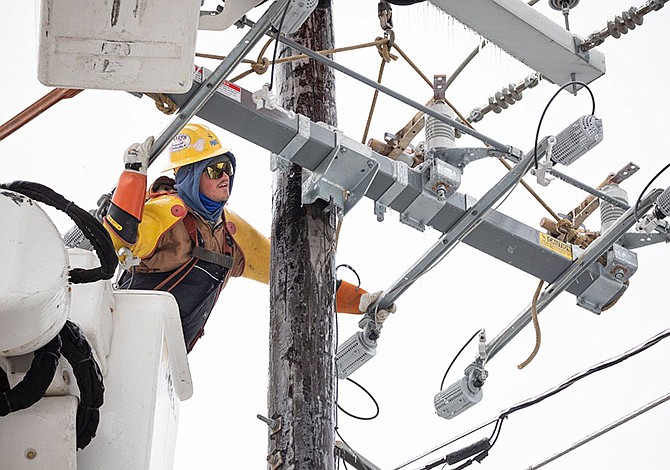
(275, 460)
(343, 177)
(282, 160)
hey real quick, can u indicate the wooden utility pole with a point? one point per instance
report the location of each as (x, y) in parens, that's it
(302, 378)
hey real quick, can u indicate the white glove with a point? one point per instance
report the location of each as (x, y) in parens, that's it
(136, 156)
(381, 314)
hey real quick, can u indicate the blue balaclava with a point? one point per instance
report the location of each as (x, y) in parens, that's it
(187, 184)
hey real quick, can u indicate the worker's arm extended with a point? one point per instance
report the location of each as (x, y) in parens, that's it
(256, 249)
(125, 212)
(132, 223)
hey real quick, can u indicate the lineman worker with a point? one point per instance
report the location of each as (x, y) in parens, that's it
(180, 238)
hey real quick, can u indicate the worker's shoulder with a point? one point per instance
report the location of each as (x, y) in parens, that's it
(163, 196)
(163, 207)
(162, 186)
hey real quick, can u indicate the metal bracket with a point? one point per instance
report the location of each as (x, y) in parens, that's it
(638, 240)
(343, 176)
(596, 249)
(621, 265)
(463, 156)
(359, 462)
(282, 160)
(275, 460)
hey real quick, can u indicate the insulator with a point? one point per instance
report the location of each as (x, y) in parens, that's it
(504, 98)
(615, 28)
(438, 133)
(609, 213)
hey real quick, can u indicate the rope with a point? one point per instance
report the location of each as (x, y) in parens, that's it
(374, 101)
(413, 65)
(536, 324)
(163, 103)
(262, 64)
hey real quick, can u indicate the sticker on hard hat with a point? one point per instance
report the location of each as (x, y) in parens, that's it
(199, 145)
(180, 142)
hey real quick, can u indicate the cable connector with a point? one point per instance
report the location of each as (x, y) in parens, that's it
(264, 98)
(546, 165)
(483, 355)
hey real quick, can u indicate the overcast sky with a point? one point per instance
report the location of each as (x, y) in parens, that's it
(76, 148)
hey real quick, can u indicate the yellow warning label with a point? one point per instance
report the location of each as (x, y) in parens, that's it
(556, 246)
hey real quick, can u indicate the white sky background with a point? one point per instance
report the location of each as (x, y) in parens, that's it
(76, 148)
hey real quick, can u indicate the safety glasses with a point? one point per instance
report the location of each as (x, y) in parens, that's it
(216, 170)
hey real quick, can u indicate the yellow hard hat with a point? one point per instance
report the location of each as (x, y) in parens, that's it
(195, 142)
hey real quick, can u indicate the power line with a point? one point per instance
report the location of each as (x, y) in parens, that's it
(559, 388)
(604, 430)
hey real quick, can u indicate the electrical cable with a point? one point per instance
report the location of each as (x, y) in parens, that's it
(596, 368)
(456, 357)
(651, 405)
(637, 202)
(274, 54)
(368, 418)
(475, 452)
(91, 227)
(572, 82)
(562, 386)
(36, 381)
(77, 351)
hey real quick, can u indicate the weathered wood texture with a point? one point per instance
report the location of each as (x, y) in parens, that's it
(302, 375)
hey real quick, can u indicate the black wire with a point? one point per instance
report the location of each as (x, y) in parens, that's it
(368, 394)
(456, 357)
(575, 378)
(274, 54)
(496, 432)
(352, 270)
(639, 199)
(573, 82)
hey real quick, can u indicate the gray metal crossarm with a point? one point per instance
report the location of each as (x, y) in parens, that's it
(529, 36)
(394, 185)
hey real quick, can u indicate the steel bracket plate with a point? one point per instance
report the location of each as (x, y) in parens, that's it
(343, 176)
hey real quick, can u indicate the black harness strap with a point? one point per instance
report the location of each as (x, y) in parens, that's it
(224, 259)
(212, 257)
